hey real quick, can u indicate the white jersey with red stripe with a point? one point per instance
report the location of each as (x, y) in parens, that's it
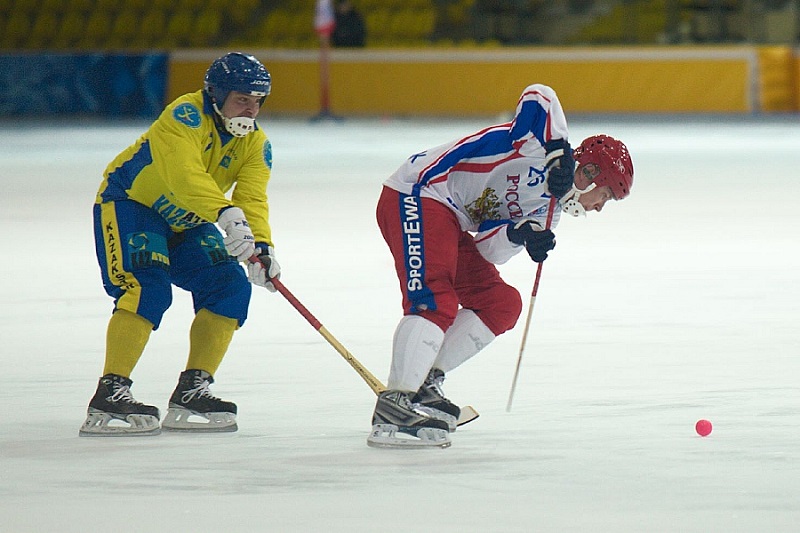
(493, 177)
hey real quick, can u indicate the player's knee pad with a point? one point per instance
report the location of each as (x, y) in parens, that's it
(504, 305)
(443, 316)
(224, 290)
(150, 297)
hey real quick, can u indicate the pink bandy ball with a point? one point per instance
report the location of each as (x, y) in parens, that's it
(703, 428)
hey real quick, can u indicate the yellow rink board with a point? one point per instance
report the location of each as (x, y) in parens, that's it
(471, 82)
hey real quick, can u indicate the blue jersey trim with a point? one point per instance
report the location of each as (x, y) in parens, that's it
(419, 294)
(121, 179)
(487, 145)
(531, 118)
(486, 225)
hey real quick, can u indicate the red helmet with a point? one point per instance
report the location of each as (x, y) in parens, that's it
(613, 161)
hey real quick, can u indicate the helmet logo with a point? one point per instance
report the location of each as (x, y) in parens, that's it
(591, 171)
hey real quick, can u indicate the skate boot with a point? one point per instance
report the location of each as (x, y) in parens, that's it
(114, 412)
(431, 398)
(192, 407)
(398, 423)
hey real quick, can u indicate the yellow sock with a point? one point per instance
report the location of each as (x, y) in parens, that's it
(209, 339)
(126, 337)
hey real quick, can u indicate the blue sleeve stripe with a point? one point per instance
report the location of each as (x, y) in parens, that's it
(486, 225)
(121, 179)
(532, 118)
(493, 143)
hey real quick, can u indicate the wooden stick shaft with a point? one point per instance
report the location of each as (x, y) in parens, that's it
(373, 382)
(534, 292)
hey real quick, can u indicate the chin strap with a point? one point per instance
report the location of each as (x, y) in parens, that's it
(570, 203)
(237, 126)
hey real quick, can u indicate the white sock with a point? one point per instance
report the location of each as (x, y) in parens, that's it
(467, 336)
(416, 344)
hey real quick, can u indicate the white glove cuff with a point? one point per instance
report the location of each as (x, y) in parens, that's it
(533, 221)
(228, 215)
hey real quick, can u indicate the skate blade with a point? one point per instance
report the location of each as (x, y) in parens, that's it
(184, 420)
(468, 414)
(100, 424)
(436, 414)
(390, 436)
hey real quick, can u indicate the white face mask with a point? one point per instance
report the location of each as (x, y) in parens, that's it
(237, 126)
(570, 203)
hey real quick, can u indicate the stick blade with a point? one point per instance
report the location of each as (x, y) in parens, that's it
(468, 414)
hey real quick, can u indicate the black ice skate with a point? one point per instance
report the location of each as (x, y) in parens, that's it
(431, 397)
(114, 412)
(192, 407)
(399, 423)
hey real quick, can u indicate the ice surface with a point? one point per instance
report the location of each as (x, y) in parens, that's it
(677, 304)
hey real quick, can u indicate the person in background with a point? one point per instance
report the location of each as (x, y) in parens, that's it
(154, 226)
(451, 213)
(349, 31)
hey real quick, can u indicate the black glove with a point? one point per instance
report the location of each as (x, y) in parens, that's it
(560, 167)
(537, 240)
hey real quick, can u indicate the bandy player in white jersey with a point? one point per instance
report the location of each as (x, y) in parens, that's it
(449, 215)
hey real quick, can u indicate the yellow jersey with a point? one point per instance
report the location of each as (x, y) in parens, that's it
(183, 167)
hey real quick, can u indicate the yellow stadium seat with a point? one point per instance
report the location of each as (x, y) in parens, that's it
(301, 26)
(124, 29)
(425, 22)
(246, 5)
(25, 6)
(206, 28)
(70, 29)
(16, 30)
(79, 6)
(108, 6)
(96, 31)
(241, 12)
(193, 6)
(137, 5)
(179, 25)
(54, 7)
(153, 26)
(368, 6)
(42, 30)
(298, 5)
(377, 22)
(166, 5)
(275, 28)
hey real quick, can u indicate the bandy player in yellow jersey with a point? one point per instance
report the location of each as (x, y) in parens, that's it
(154, 224)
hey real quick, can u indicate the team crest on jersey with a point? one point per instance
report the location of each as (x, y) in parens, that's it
(187, 114)
(268, 154)
(214, 249)
(146, 249)
(485, 207)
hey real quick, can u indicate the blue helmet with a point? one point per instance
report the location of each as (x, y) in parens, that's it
(237, 72)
